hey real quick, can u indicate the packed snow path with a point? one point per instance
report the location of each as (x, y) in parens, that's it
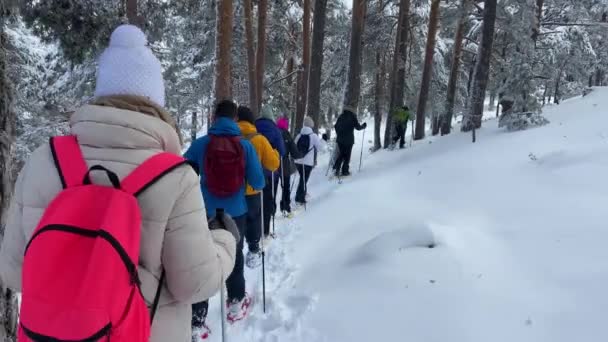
(518, 222)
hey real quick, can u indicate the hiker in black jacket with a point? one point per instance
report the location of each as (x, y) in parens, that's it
(287, 165)
(345, 130)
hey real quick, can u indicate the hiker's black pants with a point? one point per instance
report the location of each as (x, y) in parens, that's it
(343, 161)
(304, 171)
(270, 205)
(253, 222)
(400, 129)
(235, 284)
(286, 190)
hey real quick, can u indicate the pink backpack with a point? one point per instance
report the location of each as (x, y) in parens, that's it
(79, 279)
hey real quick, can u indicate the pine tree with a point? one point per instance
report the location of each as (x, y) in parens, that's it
(251, 56)
(8, 308)
(446, 121)
(261, 52)
(223, 77)
(353, 88)
(428, 70)
(133, 14)
(398, 70)
(302, 82)
(482, 68)
(316, 63)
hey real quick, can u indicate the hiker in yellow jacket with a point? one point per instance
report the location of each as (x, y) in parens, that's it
(270, 160)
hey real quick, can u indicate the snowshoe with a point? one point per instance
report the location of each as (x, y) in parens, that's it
(239, 309)
(287, 214)
(200, 334)
(253, 259)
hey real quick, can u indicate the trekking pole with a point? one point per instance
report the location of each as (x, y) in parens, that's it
(274, 204)
(305, 190)
(263, 253)
(220, 215)
(412, 134)
(223, 310)
(362, 144)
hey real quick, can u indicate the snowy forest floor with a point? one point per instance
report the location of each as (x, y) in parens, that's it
(518, 221)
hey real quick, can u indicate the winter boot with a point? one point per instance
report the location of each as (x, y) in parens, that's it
(201, 333)
(239, 309)
(253, 259)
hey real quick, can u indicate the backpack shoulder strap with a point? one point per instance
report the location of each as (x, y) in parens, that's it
(150, 172)
(69, 160)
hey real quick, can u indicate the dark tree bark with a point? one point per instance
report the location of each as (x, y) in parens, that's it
(250, 43)
(397, 86)
(353, 88)
(599, 75)
(223, 65)
(8, 304)
(427, 73)
(482, 69)
(379, 92)
(133, 15)
(194, 126)
(316, 63)
(261, 53)
(378, 96)
(446, 121)
(302, 93)
(539, 16)
(558, 81)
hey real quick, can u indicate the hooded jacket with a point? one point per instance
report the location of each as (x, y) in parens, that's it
(316, 144)
(174, 232)
(269, 129)
(345, 128)
(269, 157)
(236, 204)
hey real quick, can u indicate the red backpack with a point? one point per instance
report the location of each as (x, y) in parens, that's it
(79, 279)
(224, 165)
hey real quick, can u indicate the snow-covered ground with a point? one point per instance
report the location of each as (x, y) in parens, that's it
(518, 222)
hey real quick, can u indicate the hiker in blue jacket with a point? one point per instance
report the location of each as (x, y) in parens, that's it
(269, 129)
(234, 204)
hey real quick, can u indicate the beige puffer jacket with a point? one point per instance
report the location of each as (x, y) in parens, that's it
(174, 235)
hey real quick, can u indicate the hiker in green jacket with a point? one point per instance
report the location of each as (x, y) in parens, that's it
(401, 116)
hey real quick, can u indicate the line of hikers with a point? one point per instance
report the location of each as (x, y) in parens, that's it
(127, 239)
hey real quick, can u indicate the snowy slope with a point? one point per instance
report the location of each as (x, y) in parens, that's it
(518, 224)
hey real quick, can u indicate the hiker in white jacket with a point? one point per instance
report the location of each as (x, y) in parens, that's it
(308, 143)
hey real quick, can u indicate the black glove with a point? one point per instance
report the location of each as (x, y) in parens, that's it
(222, 220)
(364, 125)
(325, 137)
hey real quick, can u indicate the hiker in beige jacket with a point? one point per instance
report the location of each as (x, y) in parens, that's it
(120, 132)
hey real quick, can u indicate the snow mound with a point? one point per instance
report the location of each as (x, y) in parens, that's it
(388, 245)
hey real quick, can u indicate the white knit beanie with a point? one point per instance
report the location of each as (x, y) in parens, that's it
(128, 67)
(309, 122)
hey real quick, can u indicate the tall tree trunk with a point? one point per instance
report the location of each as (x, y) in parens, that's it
(353, 88)
(194, 126)
(539, 17)
(223, 77)
(133, 15)
(558, 81)
(261, 54)
(250, 43)
(427, 73)
(446, 121)
(8, 307)
(598, 77)
(378, 96)
(302, 94)
(397, 85)
(316, 63)
(482, 69)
